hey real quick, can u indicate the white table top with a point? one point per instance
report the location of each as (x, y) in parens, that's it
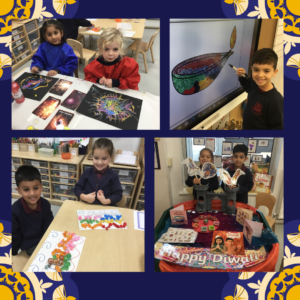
(22, 116)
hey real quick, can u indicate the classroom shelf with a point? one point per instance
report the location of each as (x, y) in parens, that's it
(128, 187)
(139, 199)
(47, 174)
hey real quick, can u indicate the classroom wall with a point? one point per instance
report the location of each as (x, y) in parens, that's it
(130, 144)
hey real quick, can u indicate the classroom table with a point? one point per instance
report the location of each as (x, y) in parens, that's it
(114, 250)
(138, 25)
(22, 116)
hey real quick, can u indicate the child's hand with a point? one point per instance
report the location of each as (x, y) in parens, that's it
(196, 181)
(108, 83)
(90, 198)
(34, 70)
(102, 80)
(101, 198)
(52, 73)
(240, 71)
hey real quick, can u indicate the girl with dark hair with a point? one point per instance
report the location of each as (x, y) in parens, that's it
(219, 245)
(54, 54)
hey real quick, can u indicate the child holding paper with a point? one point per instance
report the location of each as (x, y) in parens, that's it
(99, 184)
(205, 155)
(245, 182)
(111, 67)
(31, 214)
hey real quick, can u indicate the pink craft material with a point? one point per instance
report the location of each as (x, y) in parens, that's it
(79, 218)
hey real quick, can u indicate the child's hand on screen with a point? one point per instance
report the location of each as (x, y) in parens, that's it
(90, 198)
(34, 70)
(240, 71)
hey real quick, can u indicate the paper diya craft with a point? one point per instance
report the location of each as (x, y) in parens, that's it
(227, 179)
(197, 73)
(100, 219)
(208, 170)
(60, 253)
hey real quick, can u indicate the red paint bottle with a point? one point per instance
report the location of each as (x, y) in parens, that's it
(17, 92)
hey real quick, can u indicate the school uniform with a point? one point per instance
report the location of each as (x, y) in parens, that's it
(213, 184)
(29, 225)
(245, 183)
(124, 72)
(106, 180)
(60, 58)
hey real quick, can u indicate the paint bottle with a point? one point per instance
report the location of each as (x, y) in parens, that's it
(17, 92)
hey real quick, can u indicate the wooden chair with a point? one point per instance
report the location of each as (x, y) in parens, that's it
(19, 261)
(144, 47)
(81, 52)
(81, 39)
(264, 199)
(123, 201)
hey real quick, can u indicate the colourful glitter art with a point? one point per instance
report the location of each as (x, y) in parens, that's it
(203, 258)
(35, 86)
(115, 109)
(73, 100)
(197, 73)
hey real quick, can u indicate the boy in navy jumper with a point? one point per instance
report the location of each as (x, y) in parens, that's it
(245, 182)
(100, 184)
(264, 109)
(31, 214)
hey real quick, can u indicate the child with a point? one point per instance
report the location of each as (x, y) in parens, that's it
(54, 54)
(205, 155)
(31, 215)
(219, 245)
(100, 184)
(245, 182)
(71, 26)
(111, 67)
(264, 109)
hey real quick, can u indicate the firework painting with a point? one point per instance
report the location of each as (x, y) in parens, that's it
(61, 87)
(115, 109)
(60, 120)
(35, 86)
(73, 100)
(46, 108)
(197, 73)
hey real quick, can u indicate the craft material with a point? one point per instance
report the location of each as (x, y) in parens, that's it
(178, 235)
(100, 219)
(17, 92)
(208, 169)
(125, 159)
(242, 214)
(230, 181)
(46, 108)
(178, 215)
(115, 109)
(139, 220)
(59, 253)
(226, 242)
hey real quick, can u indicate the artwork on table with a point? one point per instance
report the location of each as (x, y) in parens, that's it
(218, 161)
(197, 73)
(53, 246)
(199, 141)
(203, 225)
(251, 229)
(46, 108)
(263, 143)
(115, 109)
(234, 144)
(178, 235)
(35, 86)
(226, 242)
(262, 183)
(262, 168)
(73, 100)
(178, 215)
(100, 219)
(62, 119)
(227, 161)
(242, 214)
(252, 144)
(226, 148)
(61, 87)
(210, 144)
(257, 158)
(156, 156)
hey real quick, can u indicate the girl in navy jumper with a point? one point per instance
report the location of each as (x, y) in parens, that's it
(54, 54)
(100, 184)
(206, 155)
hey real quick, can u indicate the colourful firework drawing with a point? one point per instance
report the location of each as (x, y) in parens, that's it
(197, 73)
(112, 108)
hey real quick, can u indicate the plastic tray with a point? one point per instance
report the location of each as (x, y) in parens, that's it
(23, 56)
(33, 36)
(18, 36)
(45, 177)
(45, 184)
(63, 180)
(46, 152)
(30, 26)
(63, 174)
(45, 190)
(143, 190)
(140, 205)
(36, 163)
(15, 167)
(142, 197)
(126, 175)
(63, 198)
(45, 195)
(43, 171)
(35, 45)
(18, 42)
(63, 189)
(16, 161)
(64, 167)
(127, 189)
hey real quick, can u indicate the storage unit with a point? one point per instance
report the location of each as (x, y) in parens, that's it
(25, 41)
(128, 177)
(58, 184)
(139, 199)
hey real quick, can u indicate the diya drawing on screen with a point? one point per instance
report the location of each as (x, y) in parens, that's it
(223, 229)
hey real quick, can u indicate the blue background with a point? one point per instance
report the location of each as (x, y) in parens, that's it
(151, 284)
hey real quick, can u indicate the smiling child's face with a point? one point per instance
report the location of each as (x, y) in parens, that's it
(31, 192)
(101, 159)
(204, 157)
(219, 241)
(262, 75)
(238, 159)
